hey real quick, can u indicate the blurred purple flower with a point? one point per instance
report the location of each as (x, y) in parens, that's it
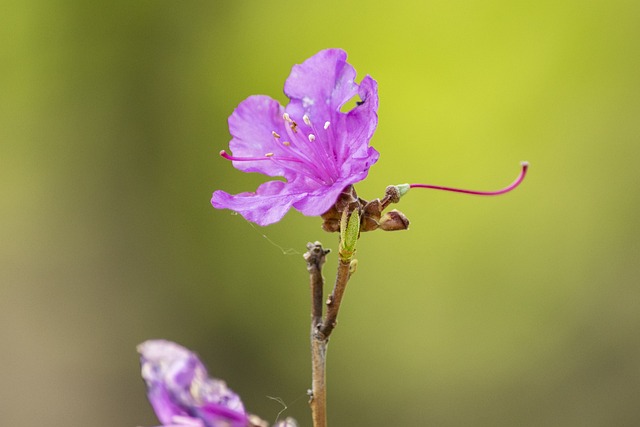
(289, 422)
(318, 149)
(180, 391)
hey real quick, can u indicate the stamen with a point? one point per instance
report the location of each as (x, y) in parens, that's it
(286, 143)
(312, 137)
(227, 156)
(267, 156)
(326, 125)
(306, 120)
(275, 134)
(292, 124)
(315, 155)
(516, 183)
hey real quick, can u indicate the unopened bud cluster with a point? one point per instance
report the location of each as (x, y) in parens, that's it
(370, 213)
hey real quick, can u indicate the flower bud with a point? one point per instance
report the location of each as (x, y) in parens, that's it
(395, 192)
(349, 233)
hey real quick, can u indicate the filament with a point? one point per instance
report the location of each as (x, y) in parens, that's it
(267, 156)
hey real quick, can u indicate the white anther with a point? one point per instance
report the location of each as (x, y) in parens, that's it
(312, 137)
(286, 117)
(306, 119)
(326, 125)
(269, 155)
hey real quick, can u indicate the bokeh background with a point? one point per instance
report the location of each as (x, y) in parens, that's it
(519, 310)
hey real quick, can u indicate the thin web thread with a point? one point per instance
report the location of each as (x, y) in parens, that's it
(284, 405)
(287, 251)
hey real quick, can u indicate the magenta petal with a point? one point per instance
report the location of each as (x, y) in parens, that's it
(251, 126)
(268, 204)
(358, 168)
(320, 201)
(363, 120)
(321, 85)
(359, 125)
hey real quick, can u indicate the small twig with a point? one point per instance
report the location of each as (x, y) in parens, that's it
(316, 257)
(335, 299)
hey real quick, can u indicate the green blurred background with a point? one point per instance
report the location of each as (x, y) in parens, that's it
(519, 310)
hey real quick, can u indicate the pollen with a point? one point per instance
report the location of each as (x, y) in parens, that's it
(269, 155)
(326, 125)
(312, 137)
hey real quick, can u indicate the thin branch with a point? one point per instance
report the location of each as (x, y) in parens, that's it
(334, 301)
(316, 257)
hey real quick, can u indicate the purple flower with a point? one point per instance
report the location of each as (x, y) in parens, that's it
(318, 149)
(180, 391)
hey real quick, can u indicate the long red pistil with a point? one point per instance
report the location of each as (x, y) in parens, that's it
(515, 184)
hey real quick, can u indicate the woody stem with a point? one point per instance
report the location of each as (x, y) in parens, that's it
(320, 330)
(315, 257)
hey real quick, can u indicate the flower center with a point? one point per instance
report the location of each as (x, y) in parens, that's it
(308, 152)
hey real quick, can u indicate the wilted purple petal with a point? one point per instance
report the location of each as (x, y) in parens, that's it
(318, 149)
(180, 391)
(289, 422)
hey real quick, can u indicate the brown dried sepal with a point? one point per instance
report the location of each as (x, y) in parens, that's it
(394, 221)
(349, 201)
(371, 215)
